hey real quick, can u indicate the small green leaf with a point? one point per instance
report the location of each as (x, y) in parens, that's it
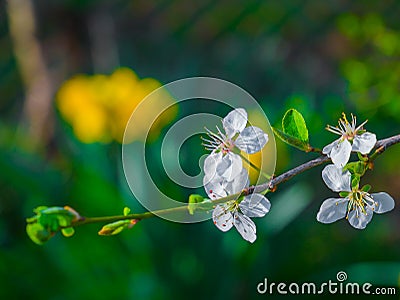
(344, 194)
(49, 220)
(293, 124)
(362, 157)
(350, 167)
(193, 200)
(116, 227)
(37, 233)
(358, 168)
(127, 210)
(38, 209)
(68, 232)
(366, 188)
(355, 180)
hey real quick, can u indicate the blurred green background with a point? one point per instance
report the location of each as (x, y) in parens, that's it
(320, 57)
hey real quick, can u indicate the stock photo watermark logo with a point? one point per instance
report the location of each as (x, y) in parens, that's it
(137, 173)
(339, 286)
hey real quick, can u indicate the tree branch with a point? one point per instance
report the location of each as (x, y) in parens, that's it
(380, 147)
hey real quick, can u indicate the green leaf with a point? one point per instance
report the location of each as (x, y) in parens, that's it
(116, 227)
(38, 209)
(127, 210)
(344, 194)
(37, 233)
(49, 220)
(193, 200)
(358, 168)
(362, 157)
(294, 130)
(355, 180)
(68, 232)
(293, 124)
(366, 188)
(290, 140)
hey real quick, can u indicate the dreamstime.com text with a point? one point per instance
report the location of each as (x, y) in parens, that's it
(332, 287)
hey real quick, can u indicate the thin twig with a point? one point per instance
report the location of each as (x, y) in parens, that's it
(380, 147)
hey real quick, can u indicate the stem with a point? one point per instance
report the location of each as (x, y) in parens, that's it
(313, 149)
(380, 147)
(146, 215)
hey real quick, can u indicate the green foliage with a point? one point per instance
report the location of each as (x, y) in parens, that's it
(193, 200)
(38, 233)
(117, 227)
(293, 124)
(361, 157)
(294, 130)
(68, 232)
(357, 168)
(344, 194)
(355, 181)
(370, 76)
(366, 188)
(127, 210)
(49, 220)
(197, 202)
(265, 52)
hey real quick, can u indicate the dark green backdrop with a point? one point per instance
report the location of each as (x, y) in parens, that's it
(320, 57)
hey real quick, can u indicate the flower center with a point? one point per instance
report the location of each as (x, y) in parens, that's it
(359, 201)
(218, 142)
(230, 206)
(348, 130)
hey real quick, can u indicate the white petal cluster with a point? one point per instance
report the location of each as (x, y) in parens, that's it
(222, 160)
(352, 138)
(357, 207)
(225, 175)
(237, 214)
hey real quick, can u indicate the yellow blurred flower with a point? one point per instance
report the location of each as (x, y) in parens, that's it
(98, 107)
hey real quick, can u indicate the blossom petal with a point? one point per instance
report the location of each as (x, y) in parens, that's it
(332, 209)
(328, 148)
(251, 140)
(215, 187)
(229, 166)
(235, 122)
(245, 226)
(255, 205)
(359, 219)
(340, 153)
(336, 179)
(211, 162)
(364, 143)
(222, 218)
(240, 182)
(385, 202)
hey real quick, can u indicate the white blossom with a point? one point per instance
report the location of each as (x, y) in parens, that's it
(357, 207)
(223, 161)
(235, 213)
(352, 138)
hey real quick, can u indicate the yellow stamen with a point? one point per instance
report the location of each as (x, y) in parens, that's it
(344, 118)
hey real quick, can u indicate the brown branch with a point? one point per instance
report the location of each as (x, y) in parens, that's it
(380, 147)
(388, 141)
(381, 144)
